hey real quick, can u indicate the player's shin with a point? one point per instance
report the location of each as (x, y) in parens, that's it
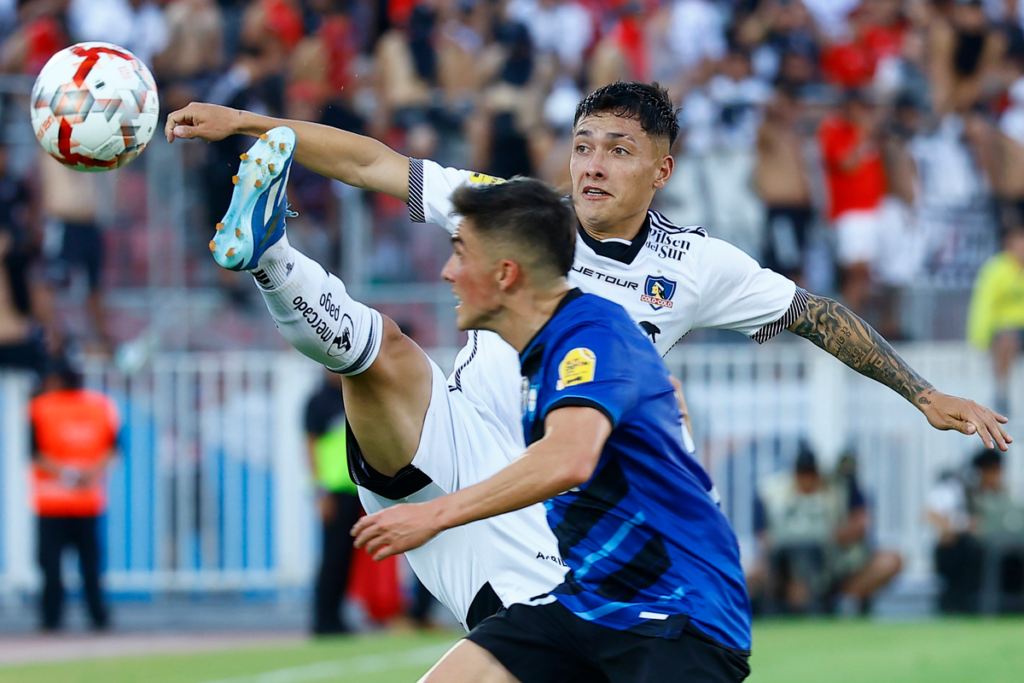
(315, 314)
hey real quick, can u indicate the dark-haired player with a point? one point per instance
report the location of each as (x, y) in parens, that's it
(655, 591)
(417, 436)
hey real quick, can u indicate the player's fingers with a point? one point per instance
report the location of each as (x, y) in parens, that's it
(384, 554)
(358, 527)
(994, 432)
(376, 543)
(175, 119)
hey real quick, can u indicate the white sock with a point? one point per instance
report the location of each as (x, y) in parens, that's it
(315, 314)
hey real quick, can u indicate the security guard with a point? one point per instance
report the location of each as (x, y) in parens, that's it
(337, 501)
(74, 433)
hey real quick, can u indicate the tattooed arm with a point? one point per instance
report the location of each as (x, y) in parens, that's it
(836, 329)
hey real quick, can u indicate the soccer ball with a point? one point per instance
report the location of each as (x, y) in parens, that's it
(94, 106)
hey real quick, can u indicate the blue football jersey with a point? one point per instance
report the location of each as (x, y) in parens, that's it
(647, 547)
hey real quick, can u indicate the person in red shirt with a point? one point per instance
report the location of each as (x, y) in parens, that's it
(856, 183)
(74, 433)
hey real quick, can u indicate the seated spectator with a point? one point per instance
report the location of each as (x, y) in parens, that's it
(1000, 525)
(858, 571)
(995, 319)
(814, 534)
(856, 183)
(957, 550)
(795, 516)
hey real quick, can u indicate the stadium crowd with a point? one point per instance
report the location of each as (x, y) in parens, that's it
(859, 147)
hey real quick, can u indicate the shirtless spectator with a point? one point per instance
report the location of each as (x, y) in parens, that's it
(966, 55)
(187, 67)
(73, 246)
(780, 178)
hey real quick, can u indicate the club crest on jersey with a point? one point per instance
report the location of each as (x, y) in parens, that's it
(658, 292)
(482, 179)
(576, 368)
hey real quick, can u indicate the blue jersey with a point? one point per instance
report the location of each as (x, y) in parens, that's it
(647, 547)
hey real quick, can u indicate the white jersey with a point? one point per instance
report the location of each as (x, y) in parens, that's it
(669, 279)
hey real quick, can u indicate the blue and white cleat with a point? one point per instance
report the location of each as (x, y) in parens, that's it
(259, 204)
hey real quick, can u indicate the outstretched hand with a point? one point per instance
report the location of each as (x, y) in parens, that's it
(967, 417)
(205, 121)
(395, 530)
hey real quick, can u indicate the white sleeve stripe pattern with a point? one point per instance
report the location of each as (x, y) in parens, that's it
(668, 226)
(796, 309)
(416, 210)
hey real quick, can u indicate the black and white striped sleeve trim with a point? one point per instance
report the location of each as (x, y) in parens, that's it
(796, 309)
(416, 210)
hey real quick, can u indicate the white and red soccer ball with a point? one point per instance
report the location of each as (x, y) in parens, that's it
(94, 106)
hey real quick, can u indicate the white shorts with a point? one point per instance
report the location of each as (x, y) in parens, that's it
(858, 237)
(513, 556)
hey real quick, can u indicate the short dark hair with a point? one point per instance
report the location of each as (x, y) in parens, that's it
(987, 459)
(525, 214)
(647, 103)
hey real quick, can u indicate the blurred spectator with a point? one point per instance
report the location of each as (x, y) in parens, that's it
(74, 434)
(21, 337)
(73, 244)
(136, 25)
(1000, 526)
(780, 178)
(337, 502)
(725, 114)
(856, 183)
(965, 55)
(813, 534)
(562, 29)
(187, 66)
(38, 37)
(696, 33)
(957, 550)
(857, 570)
(995, 320)
(795, 516)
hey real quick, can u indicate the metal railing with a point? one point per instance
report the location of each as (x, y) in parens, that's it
(212, 492)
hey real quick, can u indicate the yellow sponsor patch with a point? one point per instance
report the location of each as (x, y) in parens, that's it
(576, 368)
(482, 179)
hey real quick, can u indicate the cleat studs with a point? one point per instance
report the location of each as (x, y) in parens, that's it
(282, 146)
(238, 233)
(213, 246)
(259, 161)
(270, 167)
(244, 157)
(264, 137)
(219, 226)
(231, 252)
(234, 180)
(258, 183)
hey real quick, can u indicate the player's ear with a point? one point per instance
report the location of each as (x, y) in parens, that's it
(508, 274)
(665, 169)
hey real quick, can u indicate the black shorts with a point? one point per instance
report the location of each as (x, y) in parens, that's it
(80, 246)
(787, 228)
(550, 644)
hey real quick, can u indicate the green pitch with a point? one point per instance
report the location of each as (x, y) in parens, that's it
(983, 651)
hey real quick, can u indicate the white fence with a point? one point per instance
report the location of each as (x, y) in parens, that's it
(212, 490)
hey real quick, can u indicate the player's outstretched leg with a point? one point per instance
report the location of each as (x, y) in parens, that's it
(387, 378)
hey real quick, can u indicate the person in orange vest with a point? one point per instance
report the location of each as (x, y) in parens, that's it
(74, 433)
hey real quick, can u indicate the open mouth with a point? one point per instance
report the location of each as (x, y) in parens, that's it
(595, 192)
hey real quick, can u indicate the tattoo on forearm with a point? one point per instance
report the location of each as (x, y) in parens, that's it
(839, 331)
